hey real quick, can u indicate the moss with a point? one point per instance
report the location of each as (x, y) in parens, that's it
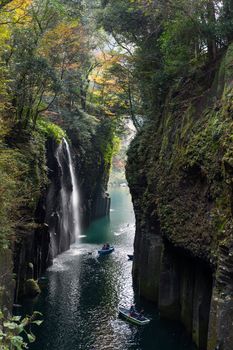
(106, 143)
(228, 70)
(50, 130)
(23, 177)
(32, 288)
(180, 165)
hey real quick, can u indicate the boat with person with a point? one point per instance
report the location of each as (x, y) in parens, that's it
(106, 250)
(135, 318)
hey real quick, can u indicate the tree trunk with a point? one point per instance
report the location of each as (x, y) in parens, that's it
(228, 18)
(211, 40)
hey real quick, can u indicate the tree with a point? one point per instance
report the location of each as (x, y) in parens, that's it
(226, 19)
(4, 3)
(170, 40)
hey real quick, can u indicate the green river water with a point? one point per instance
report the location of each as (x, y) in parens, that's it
(82, 292)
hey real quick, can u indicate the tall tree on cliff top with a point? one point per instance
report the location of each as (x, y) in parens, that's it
(226, 19)
(36, 84)
(173, 39)
(38, 67)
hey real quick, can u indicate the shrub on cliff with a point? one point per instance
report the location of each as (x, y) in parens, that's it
(23, 176)
(32, 288)
(13, 329)
(50, 130)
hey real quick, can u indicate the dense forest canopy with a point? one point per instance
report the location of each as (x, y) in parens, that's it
(55, 54)
(57, 60)
(172, 40)
(54, 77)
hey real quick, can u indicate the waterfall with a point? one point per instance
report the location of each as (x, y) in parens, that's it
(74, 195)
(68, 228)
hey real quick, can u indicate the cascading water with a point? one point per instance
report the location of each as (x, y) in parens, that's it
(64, 221)
(74, 195)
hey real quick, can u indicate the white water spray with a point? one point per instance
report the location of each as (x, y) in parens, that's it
(74, 195)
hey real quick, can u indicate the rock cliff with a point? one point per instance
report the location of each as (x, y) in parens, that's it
(92, 161)
(180, 173)
(35, 249)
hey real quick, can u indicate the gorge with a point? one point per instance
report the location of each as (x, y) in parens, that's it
(181, 189)
(74, 74)
(57, 216)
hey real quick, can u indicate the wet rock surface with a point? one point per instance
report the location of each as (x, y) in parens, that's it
(35, 250)
(54, 232)
(7, 283)
(180, 176)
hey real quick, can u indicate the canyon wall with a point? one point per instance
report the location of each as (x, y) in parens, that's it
(92, 163)
(35, 248)
(180, 173)
(7, 284)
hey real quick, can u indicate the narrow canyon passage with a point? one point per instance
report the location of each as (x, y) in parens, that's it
(81, 293)
(95, 96)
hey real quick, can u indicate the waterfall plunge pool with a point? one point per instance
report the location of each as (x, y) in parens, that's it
(82, 291)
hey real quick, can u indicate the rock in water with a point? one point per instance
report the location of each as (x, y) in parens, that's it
(32, 288)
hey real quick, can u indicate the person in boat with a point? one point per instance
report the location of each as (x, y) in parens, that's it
(104, 247)
(107, 246)
(141, 314)
(132, 310)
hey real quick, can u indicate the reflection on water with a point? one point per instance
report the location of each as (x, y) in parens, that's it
(82, 292)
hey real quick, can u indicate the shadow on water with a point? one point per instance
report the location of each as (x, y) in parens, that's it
(98, 232)
(82, 291)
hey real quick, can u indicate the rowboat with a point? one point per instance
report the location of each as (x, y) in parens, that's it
(135, 318)
(106, 251)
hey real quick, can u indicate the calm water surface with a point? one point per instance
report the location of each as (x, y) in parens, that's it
(82, 291)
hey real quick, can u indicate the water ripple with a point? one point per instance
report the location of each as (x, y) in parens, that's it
(83, 291)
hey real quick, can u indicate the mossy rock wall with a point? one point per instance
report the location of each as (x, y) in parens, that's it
(7, 284)
(180, 172)
(93, 164)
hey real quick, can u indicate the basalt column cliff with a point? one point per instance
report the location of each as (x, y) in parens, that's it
(180, 172)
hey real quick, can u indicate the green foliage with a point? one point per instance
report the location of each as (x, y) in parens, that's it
(124, 19)
(32, 288)
(176, 45)
(51, 130)
(47, 55)
(181, 166)
(169, 41)
(105, 141)
(13, 329)
(9, 177)
(116, 145)
(23, 176)
(34, 78)
(81, 126)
